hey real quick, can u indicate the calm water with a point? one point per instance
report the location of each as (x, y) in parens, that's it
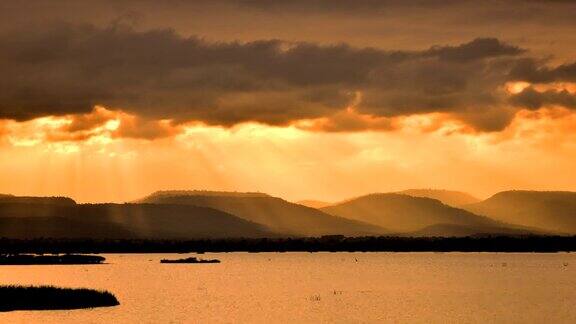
(318, 287)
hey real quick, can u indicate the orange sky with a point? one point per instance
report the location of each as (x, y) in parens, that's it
(537, 151)
(112, 100)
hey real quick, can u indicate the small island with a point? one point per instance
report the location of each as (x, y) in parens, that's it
(31, 259)
(52, 298)
(190, 260)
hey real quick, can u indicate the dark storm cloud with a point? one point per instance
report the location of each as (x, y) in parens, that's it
(532, 99)
(159, 74)
(375, 6)
(69, 69)
(479, 48)
(338, 5)
(531, 70)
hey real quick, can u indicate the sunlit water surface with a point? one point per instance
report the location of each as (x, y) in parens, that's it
(316, 287)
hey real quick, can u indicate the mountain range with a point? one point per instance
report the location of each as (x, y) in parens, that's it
(275, 213)
(115, 221)
(213, 214)
(402, 213)
(553, 211)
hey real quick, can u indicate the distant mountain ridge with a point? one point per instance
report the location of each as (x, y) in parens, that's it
(210, 193)
(192, 214)
(275, 213)
(405, 214)
(447, 197)
(114, 221)
(313, 203)
(4, 198)
(549, 210)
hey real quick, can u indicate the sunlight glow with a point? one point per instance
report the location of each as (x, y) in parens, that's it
(112, 125)
(92, 153)
(516, 87)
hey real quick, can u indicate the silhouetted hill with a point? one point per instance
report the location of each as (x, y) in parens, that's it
(277, 214)
(313, 203)
(36, 200)
(405, 214)
(59, 227)
(97, 221)
(447, 197)
(548, 210)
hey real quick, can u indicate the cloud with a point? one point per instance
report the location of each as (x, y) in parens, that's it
(532, 99)
(479, 48)
(99, 126)
(531, 70)
(370, 6)
(138, 128)
(160, 75)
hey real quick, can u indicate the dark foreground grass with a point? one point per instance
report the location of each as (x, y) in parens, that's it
(52, 298)
(29, 259)
(190, 260)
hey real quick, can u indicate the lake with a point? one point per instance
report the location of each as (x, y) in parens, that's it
(316, 287)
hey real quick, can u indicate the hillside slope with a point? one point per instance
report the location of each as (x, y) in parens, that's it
(23, 220)
(548, 210)
(277, 214)
(405, 214)
(313, 203)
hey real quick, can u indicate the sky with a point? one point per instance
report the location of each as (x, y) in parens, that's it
(316, 99)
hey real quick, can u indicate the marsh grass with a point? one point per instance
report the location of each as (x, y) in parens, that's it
(190, 260)
(52, 298)
(31, 259)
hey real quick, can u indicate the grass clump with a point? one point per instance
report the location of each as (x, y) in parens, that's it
(52, 298)
(29, 259)
(190, 260)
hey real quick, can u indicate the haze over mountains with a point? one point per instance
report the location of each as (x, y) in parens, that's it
(313, 203)
(213, 214)
(275, 213)
(447, 197)
(406, 214)
(113, 221)
(549, 210)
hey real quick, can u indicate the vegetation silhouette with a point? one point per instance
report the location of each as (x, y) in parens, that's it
(52, 298)
(190, 260)
(36, 200)
(68, 259)
(172, 193)
(332, 243)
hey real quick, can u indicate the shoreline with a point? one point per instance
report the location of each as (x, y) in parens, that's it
(333, 243)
